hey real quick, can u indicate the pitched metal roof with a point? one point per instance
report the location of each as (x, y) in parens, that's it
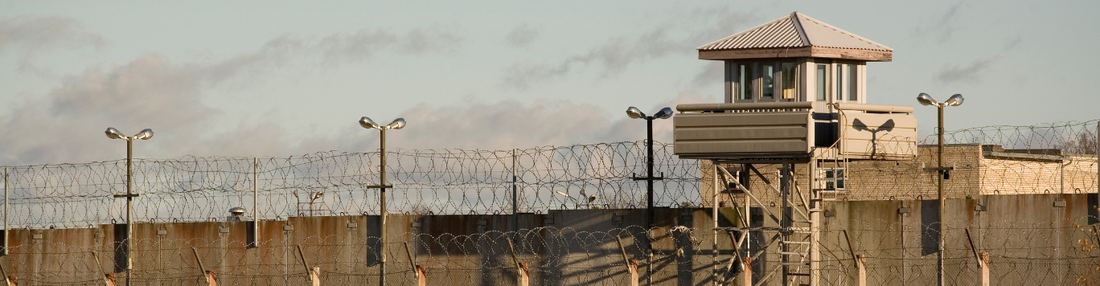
(794, 30)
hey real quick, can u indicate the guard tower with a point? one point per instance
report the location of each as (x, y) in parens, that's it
(796, 108)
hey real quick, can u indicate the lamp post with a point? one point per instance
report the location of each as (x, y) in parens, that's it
(943, 173)
(369, 124)
(143, 135)
(634, 113)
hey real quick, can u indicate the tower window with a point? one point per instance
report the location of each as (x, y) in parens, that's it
(767, 82)
(790, 80)
(853, 85)
(822, 81)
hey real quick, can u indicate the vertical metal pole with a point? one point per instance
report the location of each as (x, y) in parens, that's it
(382, 201)
(785, 222)
(129, 210)
(256, 201)
(515, 215)
(816, 206)
(649, 195)
(943, 218)
(5, 250)
(714, 214)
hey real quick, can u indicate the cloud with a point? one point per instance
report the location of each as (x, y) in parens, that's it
(943, 27)
(36, 34)
(968, 73)
(522, 36)
(619, 53)
(365, 43)
(1013, 43)
(511, 124)
(713, 72)
(151, 91)
(30, 36)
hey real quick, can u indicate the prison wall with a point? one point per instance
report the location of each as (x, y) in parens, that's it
(1042, 238)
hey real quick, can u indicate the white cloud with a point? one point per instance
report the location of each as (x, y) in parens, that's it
(692, 29)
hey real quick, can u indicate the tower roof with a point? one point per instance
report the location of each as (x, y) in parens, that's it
(795, 35)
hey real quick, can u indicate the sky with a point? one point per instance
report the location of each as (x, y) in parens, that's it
(277, 79)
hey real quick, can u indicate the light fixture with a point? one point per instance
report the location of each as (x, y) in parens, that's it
(943, 173)
(633, 112)
(367, 123)
(143, 135)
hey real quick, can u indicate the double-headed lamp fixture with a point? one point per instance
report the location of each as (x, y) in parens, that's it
(115, 134)
(925, 99)
(369, 124)
(635, 113)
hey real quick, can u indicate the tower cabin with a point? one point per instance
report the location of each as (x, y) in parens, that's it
(795, 89)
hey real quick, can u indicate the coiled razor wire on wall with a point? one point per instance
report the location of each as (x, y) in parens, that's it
(1020, 254)
(448, 181)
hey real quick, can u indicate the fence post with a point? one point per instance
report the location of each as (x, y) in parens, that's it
(521, 268)
(421, 279)
(209, 275)
(211, 278)
(631, 264)
(108, 279)
(313, 272)
(746, 265)
(985, 270)
(633, 272)
(862, 270)
(522, 278)
(315, 276)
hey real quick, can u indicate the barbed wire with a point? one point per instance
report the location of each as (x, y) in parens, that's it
(893, 251)
(457, 181)
(448, 181)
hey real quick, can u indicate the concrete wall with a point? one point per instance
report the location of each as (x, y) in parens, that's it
(1032, 239)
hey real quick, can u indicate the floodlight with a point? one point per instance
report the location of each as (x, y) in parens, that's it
(925, 99)
(633, 112)
(368, 124)
(396, 124)
(665, 113)
(955, 100)
(144, 134)
(114, 133)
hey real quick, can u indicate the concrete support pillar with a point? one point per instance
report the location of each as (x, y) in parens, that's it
(984, 276)
(862, 269)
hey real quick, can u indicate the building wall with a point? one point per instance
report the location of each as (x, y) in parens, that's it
(1032, 240)
(973, 175)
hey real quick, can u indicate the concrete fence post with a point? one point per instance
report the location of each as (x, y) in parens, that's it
(521, 275)
(211, 278)
(746, 266)
(862, 270)
(421, 279)
(985, 270)
(314, 276)
(633, 272)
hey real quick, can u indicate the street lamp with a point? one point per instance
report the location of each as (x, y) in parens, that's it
(576, 202)
(634, 113)
(143, 135)
(369, 124)
(944, 173)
